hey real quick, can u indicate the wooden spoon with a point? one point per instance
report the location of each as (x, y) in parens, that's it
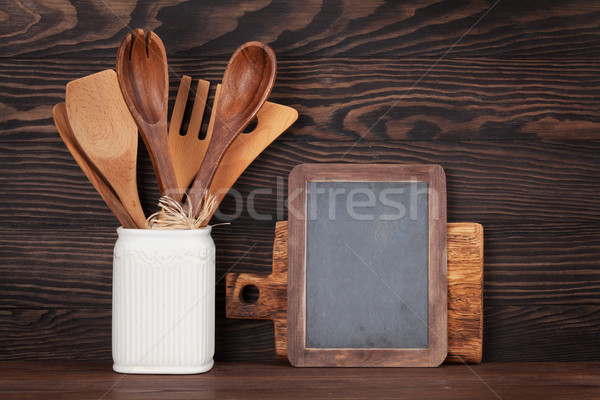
(105, 131)
(247, 82)
(59, 112)
(144, 81)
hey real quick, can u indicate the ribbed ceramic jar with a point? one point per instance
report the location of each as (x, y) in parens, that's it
(163, 319)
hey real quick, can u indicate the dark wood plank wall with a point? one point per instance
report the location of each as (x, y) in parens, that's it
(509, 107)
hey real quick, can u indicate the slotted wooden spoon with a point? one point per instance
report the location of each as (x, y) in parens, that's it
(247, 82)
(105, 131)
(61, 120)
(143, 77)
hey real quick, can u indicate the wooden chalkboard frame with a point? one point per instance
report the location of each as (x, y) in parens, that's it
(298, 353)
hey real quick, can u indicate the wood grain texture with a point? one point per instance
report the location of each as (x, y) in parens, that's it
(510, 110)
(525, 287)
(186, 148)
(465, 293)
(524, 333)
(272, 301)
(272, 120)
(106, 133)
(80, 334)
(85, 334)
(309, 28)
(61, 120)
(488, 182)
(345, 98)
(252, 380)
(539, 254)
(142, 71)
(68, 262)
(520, 269)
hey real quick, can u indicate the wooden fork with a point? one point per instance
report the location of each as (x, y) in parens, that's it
(187, 151)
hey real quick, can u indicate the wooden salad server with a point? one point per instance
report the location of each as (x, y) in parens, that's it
(143, 78)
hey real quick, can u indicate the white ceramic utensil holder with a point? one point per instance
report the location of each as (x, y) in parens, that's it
(163, 314)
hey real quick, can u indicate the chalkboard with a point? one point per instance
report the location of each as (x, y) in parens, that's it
(367, 279)
(395, 265)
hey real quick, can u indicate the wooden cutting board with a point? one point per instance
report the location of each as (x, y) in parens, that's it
(465, 292)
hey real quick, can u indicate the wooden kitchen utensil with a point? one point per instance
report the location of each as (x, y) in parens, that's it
(188, 151)
(105, 131)
(247, 82)
(143, 77)
(272, 120)
(59, 112)
(465, 292)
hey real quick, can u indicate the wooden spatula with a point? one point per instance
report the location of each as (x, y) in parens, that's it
(272, 120)
(59, 112)
(107, 134)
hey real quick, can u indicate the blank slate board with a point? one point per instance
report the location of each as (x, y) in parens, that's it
(367, 265)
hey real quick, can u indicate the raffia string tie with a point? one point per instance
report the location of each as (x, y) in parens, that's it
(173, 216)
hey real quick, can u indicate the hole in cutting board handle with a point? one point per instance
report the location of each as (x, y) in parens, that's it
(249, 294)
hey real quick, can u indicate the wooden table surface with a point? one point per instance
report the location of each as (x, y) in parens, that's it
(95, 380)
